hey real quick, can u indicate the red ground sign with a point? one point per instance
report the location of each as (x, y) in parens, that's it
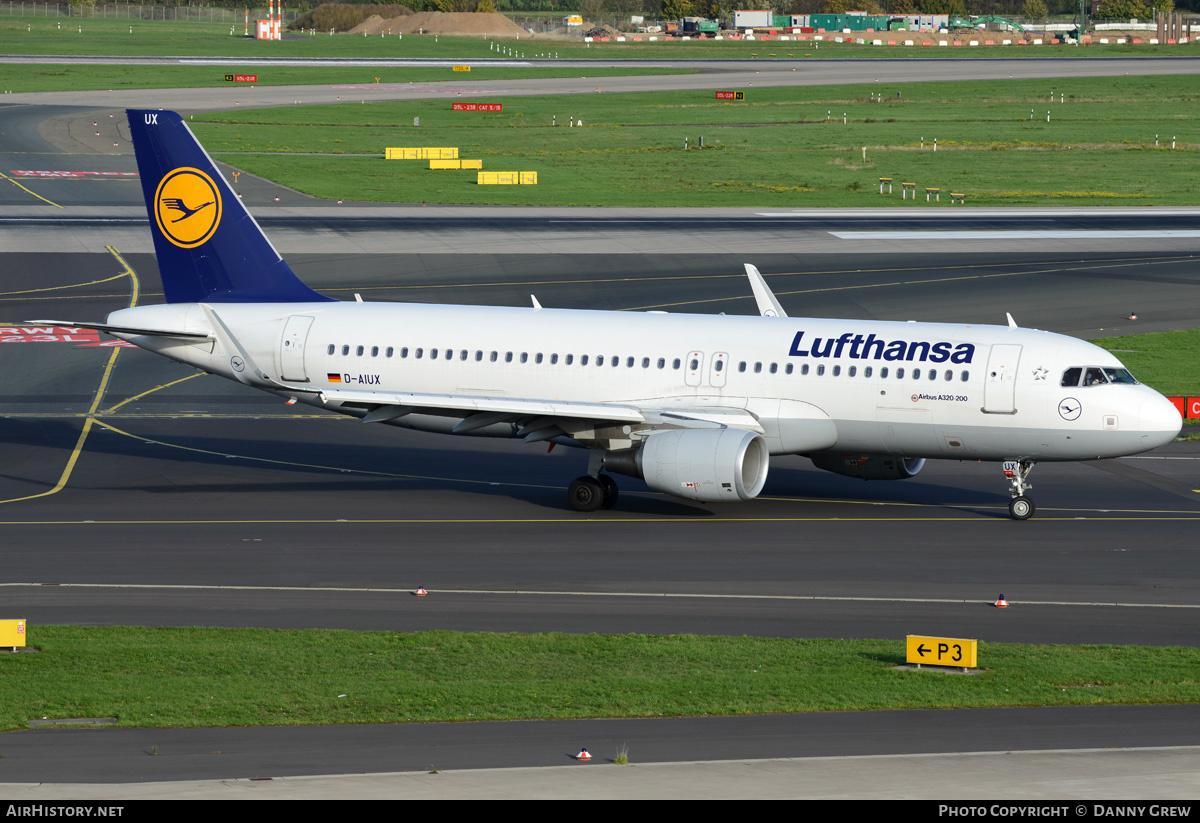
(478, 107)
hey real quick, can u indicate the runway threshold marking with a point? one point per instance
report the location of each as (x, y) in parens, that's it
(96, 398)
(569, 593)
(30, 191)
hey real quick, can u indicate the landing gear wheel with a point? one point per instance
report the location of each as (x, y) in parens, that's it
(1021, 508)
(609, 487)
(586, 494)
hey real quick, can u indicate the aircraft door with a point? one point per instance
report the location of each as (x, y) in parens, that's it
(1000, 381)
(291, 348)
(693, 368)
(716, 369)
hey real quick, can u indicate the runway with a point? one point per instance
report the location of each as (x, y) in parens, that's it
(192, 501)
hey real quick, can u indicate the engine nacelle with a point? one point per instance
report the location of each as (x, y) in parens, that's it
(716, 465)
(868, 466)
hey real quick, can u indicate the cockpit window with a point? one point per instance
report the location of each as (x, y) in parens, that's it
(1119, 376)
(1071, 376)
(1094, 377)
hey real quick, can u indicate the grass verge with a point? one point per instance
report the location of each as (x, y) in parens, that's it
(232, 677)
(1108, 144)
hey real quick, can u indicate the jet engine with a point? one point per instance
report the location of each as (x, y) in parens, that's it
(868, 466)
(715, 465)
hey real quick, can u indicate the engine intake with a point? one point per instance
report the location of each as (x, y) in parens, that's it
(715, 465)
(868, 466)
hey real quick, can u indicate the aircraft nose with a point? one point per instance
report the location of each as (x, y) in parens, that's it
(1160, 421)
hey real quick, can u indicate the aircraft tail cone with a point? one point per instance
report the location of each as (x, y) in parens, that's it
(1001, 603)
(583, 755)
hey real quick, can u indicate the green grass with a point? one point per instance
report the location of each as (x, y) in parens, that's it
(780, 147)
(24, 78)
(1167, 361)
(231, 677)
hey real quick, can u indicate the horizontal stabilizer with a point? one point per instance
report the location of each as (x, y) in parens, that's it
(111, 329)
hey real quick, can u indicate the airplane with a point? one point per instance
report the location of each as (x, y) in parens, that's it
(694, 405)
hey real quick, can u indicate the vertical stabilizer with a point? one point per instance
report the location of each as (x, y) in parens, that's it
(208, 246)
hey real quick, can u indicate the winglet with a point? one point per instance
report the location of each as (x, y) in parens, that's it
(768, 306)
(1012, 324)
(536, 305)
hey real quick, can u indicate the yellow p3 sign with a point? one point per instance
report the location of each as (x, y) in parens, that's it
(942, 651)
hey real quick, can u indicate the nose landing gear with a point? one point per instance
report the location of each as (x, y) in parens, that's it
(1017, 471)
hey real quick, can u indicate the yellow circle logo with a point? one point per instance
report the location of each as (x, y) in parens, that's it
(187, 207)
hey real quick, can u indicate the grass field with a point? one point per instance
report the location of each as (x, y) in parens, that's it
(19, 78)
(778, 147)
(43, 35)
(232, 677)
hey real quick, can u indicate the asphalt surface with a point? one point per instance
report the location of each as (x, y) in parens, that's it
(200, 503)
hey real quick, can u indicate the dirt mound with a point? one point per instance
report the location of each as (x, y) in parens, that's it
(459, 23)
(378, 25)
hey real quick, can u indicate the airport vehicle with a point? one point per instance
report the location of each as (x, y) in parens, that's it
(696, 405)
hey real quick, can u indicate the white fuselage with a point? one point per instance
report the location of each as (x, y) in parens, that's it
(908, 389)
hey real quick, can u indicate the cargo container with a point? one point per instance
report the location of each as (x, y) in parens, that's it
(752, 19)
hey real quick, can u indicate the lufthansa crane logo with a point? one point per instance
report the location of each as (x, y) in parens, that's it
(187, 207)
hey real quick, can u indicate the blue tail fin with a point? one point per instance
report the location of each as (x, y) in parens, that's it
(208, 246)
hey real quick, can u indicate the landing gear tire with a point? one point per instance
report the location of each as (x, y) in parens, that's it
(609, 487)
(1021, 508)
(586, 494)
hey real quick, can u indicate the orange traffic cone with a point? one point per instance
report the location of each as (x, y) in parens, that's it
(420, 592)
(1001, 603)
(1133, 317)
(583, 755)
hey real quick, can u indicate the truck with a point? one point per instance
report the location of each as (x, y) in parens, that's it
(695, 26)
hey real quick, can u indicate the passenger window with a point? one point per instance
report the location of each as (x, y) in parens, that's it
(853, 370)
(758, 368)
(695, 364)
(720, 365)
(583, 359)
(331, 348)
(570, 359)
(554, 359)
(646, 363)
(419, 352)
(374, 351)
(616, 361)
(1071, 376)
(820, 370)
(837, 371)
(675, 364)
(359, 352)
(345, 350)
(788, 368)
(916, 374)
(524, 357)
(599, 360)
(478, 355)
(538, 359)
(966, 375)
(933, 374)
(390, 351)
(1094, 377)
(662, 362)
(404, 352)
(804, 369)
(495, 356)
(867, 371)
(774, 368)
(433, 354)
(462, 355)
(508, 357)
(883, 373)
(900, 373)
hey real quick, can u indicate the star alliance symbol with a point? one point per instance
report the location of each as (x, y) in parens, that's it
(1040, 373)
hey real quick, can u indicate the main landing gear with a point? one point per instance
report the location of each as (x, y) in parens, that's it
(594, 490)
(1017, 471)
(587, 493)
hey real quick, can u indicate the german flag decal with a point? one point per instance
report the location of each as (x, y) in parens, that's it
(333, 378)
